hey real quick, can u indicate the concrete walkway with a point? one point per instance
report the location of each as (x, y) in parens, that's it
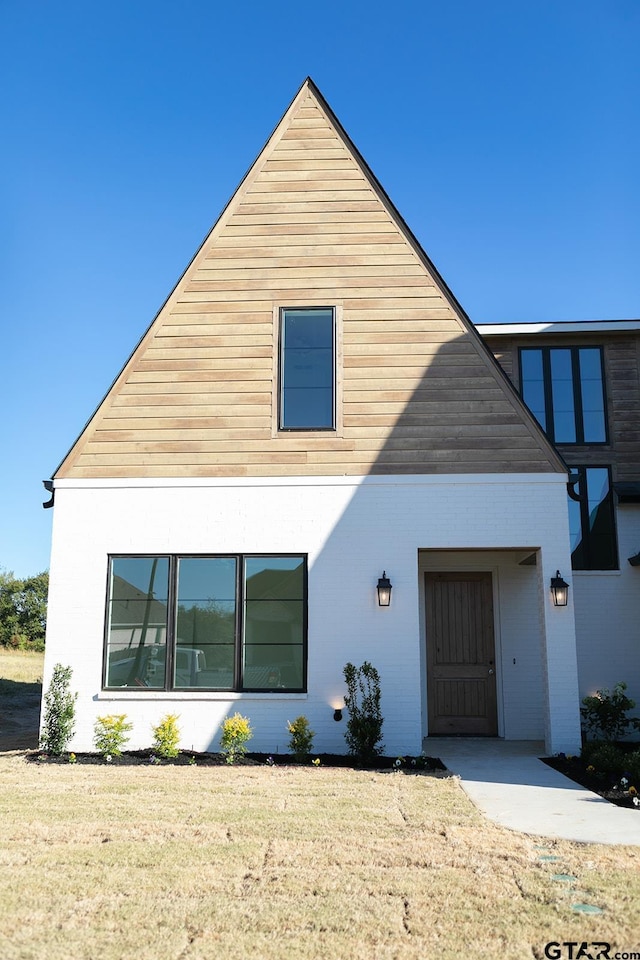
(511, 786)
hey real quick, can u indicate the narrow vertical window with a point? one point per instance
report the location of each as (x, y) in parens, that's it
(532, 380)
(591, 380)
(564, 405)
(307, 369)
(591, 521)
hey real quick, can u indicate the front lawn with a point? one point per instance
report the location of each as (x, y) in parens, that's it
(260, 861)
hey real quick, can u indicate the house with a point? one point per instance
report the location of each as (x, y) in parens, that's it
(310, 412)
(582, 382)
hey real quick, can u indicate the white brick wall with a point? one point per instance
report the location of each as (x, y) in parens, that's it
(351, 529)
(608, 616)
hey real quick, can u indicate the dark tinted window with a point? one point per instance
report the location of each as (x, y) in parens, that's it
(307, 370)
(564, 389)
(213, 623)
(137, 617)
(592, 521)
(274, 622)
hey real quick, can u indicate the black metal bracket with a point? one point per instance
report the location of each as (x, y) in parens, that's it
(48, 485)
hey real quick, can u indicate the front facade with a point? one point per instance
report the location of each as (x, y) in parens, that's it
(582, 381)
(311, 407)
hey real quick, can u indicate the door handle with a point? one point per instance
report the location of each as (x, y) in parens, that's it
(491, 671)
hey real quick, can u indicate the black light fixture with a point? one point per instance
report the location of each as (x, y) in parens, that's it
(337, 714)
(559, 590)
(384, 590)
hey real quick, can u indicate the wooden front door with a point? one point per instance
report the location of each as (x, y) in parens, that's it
(461, 676)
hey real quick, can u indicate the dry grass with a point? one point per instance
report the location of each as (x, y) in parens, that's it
(21, 666)
(188, 863)
(20, 693)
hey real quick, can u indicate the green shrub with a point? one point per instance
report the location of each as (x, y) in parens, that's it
(604, 715)
(632, 768)
(589, 748)
(166, 737)
(301, 740)
(607, 758)
(59, 712)
(110, 734)
(364, 726)
(236, 733)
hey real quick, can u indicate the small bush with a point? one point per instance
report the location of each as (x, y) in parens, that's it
(110, 734)
(604, 715)
(236, 733)
(19, 641)
(364, 727)
(166, 737)
(301, 740)
(607, 758)
(59, 712)
(632, 767)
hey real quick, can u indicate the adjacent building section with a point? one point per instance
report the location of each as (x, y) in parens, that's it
(582, 383)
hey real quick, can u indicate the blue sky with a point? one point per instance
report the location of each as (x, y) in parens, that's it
(506, 132)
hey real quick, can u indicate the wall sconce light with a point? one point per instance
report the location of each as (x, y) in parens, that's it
(337, 714)
(384, 590)
(559, 590)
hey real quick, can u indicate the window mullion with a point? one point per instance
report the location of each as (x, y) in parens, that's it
(577, 395)
(171, 622)
(239, 641)
(548, 394)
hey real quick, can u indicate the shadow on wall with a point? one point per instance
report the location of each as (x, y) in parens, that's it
(460, 420)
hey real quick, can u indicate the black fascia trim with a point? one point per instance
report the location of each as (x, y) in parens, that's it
(628, 491)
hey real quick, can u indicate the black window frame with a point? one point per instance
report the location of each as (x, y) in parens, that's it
(578, 410)
(282, 428)
(172, 606)
(578, 492)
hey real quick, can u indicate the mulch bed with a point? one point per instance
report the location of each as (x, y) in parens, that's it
(606, 785)
(190, 757)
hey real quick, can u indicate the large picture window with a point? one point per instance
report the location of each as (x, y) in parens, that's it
(307, 369)
(591, 521)
(207, 623)
(564, 389)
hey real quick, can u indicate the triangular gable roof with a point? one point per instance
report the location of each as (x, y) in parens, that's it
(310, 225)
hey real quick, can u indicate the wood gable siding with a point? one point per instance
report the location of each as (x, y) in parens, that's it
(417, 390)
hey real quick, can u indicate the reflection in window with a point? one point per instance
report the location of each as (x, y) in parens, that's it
(137, 621)
(307, 369)
(214, 623)
(273, 622)
(205, 622)
(564, 389)
(591, 521)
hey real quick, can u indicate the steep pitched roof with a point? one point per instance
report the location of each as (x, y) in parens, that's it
(310, 225)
